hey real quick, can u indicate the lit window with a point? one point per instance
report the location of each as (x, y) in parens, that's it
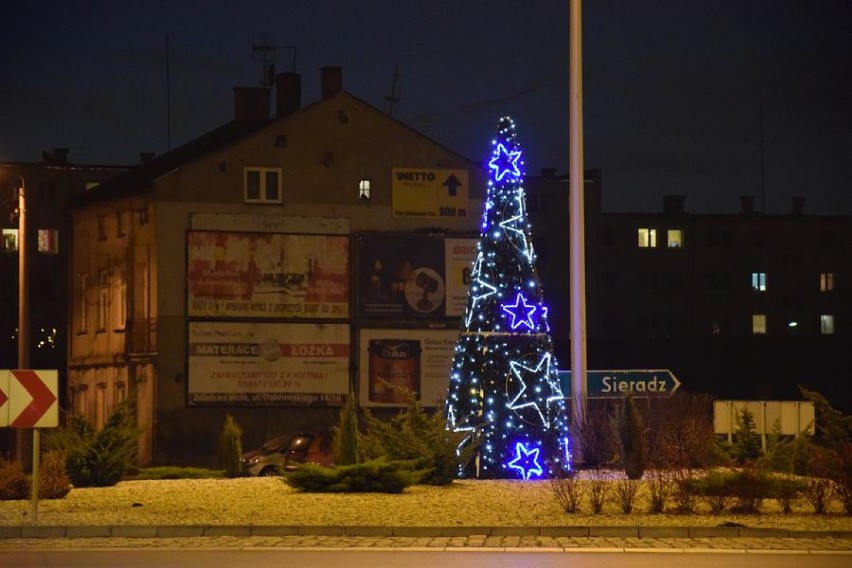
(263, 185)
(10, 240)
(364, 189)
(826, 324)
(826, 281)
(758, 324)
(758, 281)
(121, 306)
(647, 238)
(674, 238)
(48, 241)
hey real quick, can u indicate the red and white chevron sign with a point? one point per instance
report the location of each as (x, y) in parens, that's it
(28, 398)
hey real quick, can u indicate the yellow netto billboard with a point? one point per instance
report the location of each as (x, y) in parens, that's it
(422, 192)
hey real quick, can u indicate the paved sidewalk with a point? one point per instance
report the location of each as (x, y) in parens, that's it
(469, 542)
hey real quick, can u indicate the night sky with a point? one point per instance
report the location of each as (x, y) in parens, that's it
(675, 91)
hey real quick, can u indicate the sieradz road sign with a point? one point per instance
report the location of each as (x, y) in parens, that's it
(615, 384)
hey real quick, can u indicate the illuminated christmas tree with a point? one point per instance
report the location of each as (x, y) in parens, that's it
(504, 387)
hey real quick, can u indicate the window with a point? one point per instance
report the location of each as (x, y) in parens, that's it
(364, 189)
(826, 324)
(674, 238)
(102, 235)
(121, 306)
(103, 299)
(48, 241)
(121, 223)
(758, 324)
(826, 281)
(647, 238)
(263, 185)
(83, 302)
(10, 240)
(758, 281)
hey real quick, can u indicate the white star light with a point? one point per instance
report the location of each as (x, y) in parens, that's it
(477, 274)
(505, 162)
(517, 370)
(524, 247)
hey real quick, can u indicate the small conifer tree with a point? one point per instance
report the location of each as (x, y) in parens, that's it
(634, 453)
(346, 434)
(231, 447)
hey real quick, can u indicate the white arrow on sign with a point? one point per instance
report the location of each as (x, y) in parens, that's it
(32, 398)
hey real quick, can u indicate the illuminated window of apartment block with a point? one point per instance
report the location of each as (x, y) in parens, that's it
(758, 324)
(647, 238)
(674, 238)
(364, 189)
(758, 281)
(826, 281)
(826, 324)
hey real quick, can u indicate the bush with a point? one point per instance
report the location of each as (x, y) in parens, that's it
(346, 448)
(53, 480)
(746, 446)
(98, 458)
(749, 487)
(374, 476)
(421, 438)
(13, 483)
(231, 447)
(634, 453)
(599, 487)
(625, 490)
(568, 492)
(659, 487)
(175, 472)
(681, 431)
(597, 442)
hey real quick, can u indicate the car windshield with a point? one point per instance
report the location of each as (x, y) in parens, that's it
(276, 443)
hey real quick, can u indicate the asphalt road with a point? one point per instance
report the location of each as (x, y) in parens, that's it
(366, 558)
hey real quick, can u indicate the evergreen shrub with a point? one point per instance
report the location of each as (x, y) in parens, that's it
(373, 476)
(53, 480)
(634, 452)
(231, 447)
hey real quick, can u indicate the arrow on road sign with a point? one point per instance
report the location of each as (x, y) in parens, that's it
(4, 397)
(32, 399)
(615, 384)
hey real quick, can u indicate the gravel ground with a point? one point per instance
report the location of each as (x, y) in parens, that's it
(269, 501)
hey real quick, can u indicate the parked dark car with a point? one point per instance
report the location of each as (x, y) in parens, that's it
(287, 451)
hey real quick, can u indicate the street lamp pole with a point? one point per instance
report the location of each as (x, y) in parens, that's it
(23, 303)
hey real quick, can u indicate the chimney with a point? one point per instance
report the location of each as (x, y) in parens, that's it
(251, 104)
(331, 80)
(288, 93)
(747, 202)
(798, 205)
(673, 204)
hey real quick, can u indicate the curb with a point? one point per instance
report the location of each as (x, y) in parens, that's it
(178, 531)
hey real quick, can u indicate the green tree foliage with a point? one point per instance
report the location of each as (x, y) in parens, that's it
(231, 447)
(98, 458)
(634, 453)
(416, 435)
(746, 446)
(346, 434)
(373, 476)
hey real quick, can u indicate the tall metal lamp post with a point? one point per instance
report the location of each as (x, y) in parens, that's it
(23, 304)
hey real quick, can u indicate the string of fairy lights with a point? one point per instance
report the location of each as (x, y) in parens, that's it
(504, 388)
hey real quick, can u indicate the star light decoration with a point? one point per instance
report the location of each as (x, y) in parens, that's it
(504, 387)
(526, 461)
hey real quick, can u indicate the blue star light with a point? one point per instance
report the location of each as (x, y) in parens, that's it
(522, 313)
(526, 461)
(505, 162)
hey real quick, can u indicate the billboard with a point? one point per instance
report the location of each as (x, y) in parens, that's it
(267, 364)
(267, 275)
(440, 193)
(396, 361)
(413, 277)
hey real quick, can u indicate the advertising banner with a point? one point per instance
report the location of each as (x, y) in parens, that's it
(413, 277)
(267, 364)
(267, 275)
(419, 192)
(394, 362)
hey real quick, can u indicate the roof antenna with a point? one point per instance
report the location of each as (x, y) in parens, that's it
(393, 97)
(264, 51)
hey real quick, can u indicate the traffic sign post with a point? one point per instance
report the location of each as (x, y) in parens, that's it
(28, 399)
(657, 383)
